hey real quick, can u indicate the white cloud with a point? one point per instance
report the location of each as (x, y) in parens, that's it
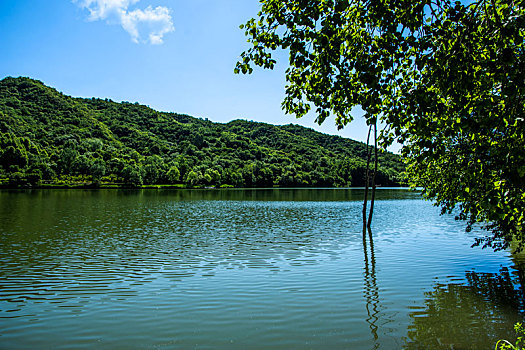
(147, 25)
(156, 21)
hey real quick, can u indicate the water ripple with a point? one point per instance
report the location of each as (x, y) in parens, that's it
(229, 269)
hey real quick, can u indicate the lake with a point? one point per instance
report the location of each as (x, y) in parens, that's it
(246, 269)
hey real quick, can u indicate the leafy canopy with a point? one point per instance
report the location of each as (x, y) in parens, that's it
(446, 78)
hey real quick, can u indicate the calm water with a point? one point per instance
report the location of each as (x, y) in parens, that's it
(245, 269)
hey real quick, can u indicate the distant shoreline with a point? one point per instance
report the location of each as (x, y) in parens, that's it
(175, 187)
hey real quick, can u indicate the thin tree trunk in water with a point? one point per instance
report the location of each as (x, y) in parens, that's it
(368, 155)
(373, 178)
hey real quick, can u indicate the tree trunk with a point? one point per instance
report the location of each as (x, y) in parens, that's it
(367, 177)
(373, 178)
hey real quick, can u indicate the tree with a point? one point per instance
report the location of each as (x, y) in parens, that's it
(12, 151)
(173, 174)
(67, 159)
(214, 177)
(445, 78)
(97, 169)
(152, 169)
(192, 178)
(13, 156)
(133, 175)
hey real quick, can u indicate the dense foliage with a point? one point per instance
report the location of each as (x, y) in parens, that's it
(47, 138)
(445, 77)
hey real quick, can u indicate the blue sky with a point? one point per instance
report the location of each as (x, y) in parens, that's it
(172, 55)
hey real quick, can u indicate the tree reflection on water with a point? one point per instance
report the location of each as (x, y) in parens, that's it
(371, 291)
(469, 316)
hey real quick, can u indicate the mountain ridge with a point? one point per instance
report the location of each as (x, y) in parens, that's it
(48, 138)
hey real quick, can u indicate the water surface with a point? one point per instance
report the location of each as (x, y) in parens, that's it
(238, 269)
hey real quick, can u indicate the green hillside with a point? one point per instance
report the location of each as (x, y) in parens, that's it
(50, 139)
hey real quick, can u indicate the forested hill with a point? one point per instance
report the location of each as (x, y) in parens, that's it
(48, 138)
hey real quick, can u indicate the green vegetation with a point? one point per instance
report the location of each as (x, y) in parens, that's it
(445, 77)
(506, 345)
(49, 139)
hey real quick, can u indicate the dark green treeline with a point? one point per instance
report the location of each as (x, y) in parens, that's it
(50, 139)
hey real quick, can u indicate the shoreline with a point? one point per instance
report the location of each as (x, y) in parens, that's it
(182, 187)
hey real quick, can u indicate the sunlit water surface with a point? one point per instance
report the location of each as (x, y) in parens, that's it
(246, 269)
